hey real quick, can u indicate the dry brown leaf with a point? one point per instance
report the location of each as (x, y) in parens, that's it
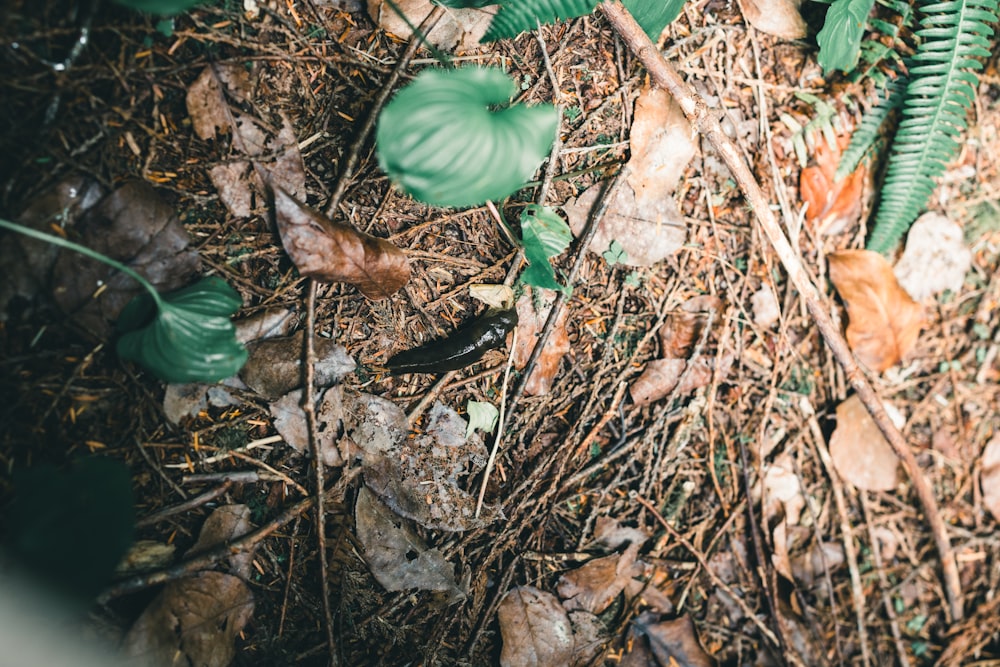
(529, 324)
(290, 423)
(459, 30)
(146, 556)
(274, 365)
(225, 524)
(884, 320)
(766, 311)
(649, 230)
(194, 621)
(675, 643)
(271, 150)
(396, 555)
(590, 636)
(661, 377)
(832, 205)
(989, 478)
(860, 452)
(811, 566)
(595, 585)
(268, 323)
(935, 258)
(683, 329)
(535, 628)
(780, 18)
(661, 143)
(332, 252)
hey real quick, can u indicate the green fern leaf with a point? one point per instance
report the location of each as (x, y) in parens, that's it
(940, 92)
(867, 133)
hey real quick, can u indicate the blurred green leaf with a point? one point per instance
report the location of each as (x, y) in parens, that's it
(840, 39)
(482, 416)
(451, 137)
(189, 338)
(160, 7)
(545, 235)
(615, 254)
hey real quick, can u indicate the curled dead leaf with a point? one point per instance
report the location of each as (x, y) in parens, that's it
(663, 377)
(333, 252)
(832, 205)
(780, 18)
(529, 324)
(594, 585)
(226, 524)
(274, 365)
(860, 452)
(535, 628)
(884, 320)
(460, 29)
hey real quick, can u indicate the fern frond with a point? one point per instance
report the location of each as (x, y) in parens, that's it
(940, 92)
(867, 133)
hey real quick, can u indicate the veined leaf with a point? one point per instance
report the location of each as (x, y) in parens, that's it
(545, 235)
(189, 337)
(840, 38)
(160, 7)
(451, 138)
(517, 16)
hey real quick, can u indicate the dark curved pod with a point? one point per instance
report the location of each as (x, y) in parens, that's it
(464, 347)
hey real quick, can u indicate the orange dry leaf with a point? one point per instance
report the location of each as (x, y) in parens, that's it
(529, 324)
(884, 320)
(860, 452)
(832, 204)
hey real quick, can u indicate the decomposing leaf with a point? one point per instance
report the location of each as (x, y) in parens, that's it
(675, 643)
(183, 400)
(611, 534)
(290, 423)
(766, 311)
(783, 498)
(268, 323)
(810, 567)
(884, 321)
(780, 18)
(459, 30)
(424, 478)
(590, 635)
(333, 252)
(989, 478)
(661, 143)
(396, 555)
(860, 452)
(530, 324)
(535, 629)
(145, 556)
(661, 377)
(194, 621)
(594, 585)
(274, 366)
(27, 263)
(832, 204)
(499, 297)
(225, 524)
(935, 258)
(648, 230)
(274, 151)
(683, 329)
(132, 225)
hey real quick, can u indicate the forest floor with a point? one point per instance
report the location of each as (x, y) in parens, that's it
(586, 479)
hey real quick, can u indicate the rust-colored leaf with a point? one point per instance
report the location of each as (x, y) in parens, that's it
(860, 452)
(780, 18)
(529, 324)
(661, 143)
(662, 376)
(832, 204)
(333, 252)
(683, 329)
(990, 477)
(535, 629)
(595, 585)
(884, 320)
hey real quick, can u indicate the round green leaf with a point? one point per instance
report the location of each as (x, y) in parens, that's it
(450, 138)
(190, 338)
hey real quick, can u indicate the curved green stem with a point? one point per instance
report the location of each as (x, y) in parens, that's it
(83, 250)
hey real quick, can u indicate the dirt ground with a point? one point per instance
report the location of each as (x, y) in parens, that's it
(571, 460)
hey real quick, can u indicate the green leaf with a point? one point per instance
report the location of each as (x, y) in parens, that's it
(159, 7)
(654, 15)
(545, 235)
(615, 254)
(840, 39)
(190, 337)
(517, 16)
(71, 527)
(482, 416)
(451, 138)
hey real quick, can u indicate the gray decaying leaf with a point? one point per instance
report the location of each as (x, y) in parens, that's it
(610, 534)
(133, 225)
(181, 401)
(935, 258)
(590, 636)
(423, 478)
(194, 621)
(268, 323)
(674, 643)
(274, 366)
(535, 628)
(225, 524)
(26, 264)
(396, 555)
(272, 150)
(594, 585)
(290, 422)
(460, 29)
(333, 252)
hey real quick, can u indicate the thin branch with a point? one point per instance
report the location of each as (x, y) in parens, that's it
(708, 125)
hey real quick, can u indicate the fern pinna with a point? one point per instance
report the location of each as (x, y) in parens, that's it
(940, 92)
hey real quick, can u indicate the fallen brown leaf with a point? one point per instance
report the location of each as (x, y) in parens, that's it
(290, 423)
(884, 320)
(675, 643)
(682, 329)
(396, 555)
(460, 29)
(989, 478)
(661, 143)
(535, 628)
(333, 252)
(530, 323)
(595, 585)
(274, 365)
(860, 452)
(661, 377)
(832, 205)
(225, 524)
(194, 621)
(780, 18)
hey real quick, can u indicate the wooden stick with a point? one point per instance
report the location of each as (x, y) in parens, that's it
(704, 122)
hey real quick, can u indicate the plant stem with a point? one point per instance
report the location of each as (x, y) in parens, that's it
(83, 250)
